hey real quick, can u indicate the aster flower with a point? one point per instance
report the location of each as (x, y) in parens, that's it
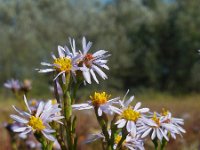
(65, 63)
(176, 122)
(39, 120)
(92, 63)
(155, 127)
(130, 116)
(131, 142)
(13, 84)
(99, 101)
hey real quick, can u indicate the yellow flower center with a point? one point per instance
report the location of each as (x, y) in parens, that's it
(99, 98)
(156, 119)
(164, 112)
(117, 139)
(36, 123)
(130, 114)
(53, 101)
(63, 64)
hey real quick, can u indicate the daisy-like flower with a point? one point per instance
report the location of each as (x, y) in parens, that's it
(37, 121)
(132, 143)
(176, 122)
(65, 63)
(12, 84)
(92, 63)
(130, 116)
(99, 101)
(155, 127)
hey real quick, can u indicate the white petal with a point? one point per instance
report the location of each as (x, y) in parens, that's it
(137, 105)
(81, 106)
(153, 134)
(86, 76)
(100, 111)
(53, 56)
(29, 129)
(26, 102)
(49, 130)
(100, 52)
(128, 101)
(46, 64)
(115, 109)
(20, 129)
(100, 72)
(61, 51)
(133, 130)
(146, 133)
(48, 105)
(21, 112)
(94, 76)
(143, 110)
(39, 109)
(86, 46)
(48, 136)
(46, 70)
(19, 119)
(158, 134)
(58, 75)
(129, 126)
(121, 123)
(165, 136)
(105, 66)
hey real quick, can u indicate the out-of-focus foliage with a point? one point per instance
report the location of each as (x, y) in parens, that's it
(153, 43)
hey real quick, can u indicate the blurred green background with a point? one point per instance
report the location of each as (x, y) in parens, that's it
(154, 43)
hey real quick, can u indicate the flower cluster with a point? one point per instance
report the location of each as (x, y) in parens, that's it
(123, 125)
(134, 123)
(79, 63)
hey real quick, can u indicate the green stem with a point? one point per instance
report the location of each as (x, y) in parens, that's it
(113, 130)
(67, 107)
(50, 146)
(103, 126)
(42, 140)
(124, 134)
(163, 144)
(155, 142)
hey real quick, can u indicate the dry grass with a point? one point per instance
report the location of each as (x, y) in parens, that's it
(187, 107)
